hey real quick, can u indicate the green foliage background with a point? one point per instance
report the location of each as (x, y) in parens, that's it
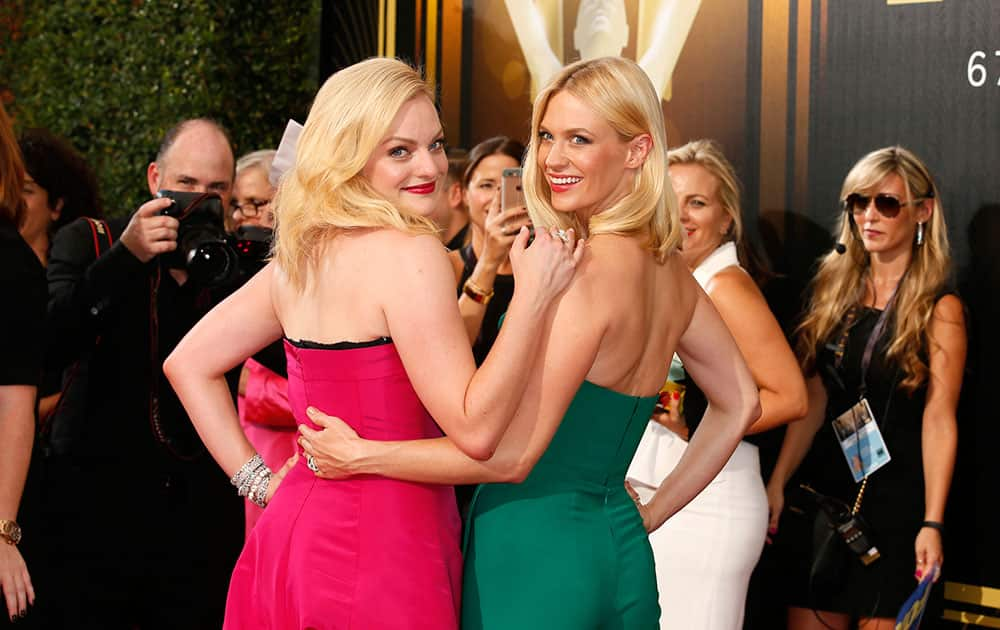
(113, 75)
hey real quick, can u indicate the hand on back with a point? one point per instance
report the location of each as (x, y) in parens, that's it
(544, 269)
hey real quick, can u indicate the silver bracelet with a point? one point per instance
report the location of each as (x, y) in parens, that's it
(258, 487)
(246, 474)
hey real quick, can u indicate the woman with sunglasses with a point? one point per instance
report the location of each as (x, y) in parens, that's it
(883, 340)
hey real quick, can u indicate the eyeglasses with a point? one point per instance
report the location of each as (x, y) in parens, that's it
(887, 205)
(251, 208)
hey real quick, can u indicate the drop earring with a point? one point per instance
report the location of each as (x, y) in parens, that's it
(920, 234)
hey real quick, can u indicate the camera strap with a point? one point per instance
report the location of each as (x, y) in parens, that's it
(100, 233)
(156, 370)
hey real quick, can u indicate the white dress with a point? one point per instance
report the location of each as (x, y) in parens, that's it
(705, 553)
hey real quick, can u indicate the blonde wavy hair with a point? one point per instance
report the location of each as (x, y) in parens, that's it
(618, 90)
(708, 155)
(839, 284)
(324, 193)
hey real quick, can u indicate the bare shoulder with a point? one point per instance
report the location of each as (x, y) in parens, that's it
(733, 287)
(949, 309)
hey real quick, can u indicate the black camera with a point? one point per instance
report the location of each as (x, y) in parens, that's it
(849, 525)
(202, 247)
(252, 244)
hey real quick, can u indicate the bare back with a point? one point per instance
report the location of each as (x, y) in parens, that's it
(343, 298)
(644, 307)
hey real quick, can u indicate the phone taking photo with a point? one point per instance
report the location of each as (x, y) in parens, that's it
(511, 193)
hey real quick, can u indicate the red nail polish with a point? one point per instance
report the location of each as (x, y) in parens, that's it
(919, 574)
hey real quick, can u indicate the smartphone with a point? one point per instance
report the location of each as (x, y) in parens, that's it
(511, 193)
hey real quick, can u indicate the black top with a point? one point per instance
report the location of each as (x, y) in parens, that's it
(339, 345)
(23, 315)
(459, 238)
(503, 291)
(102, 311)
(894, 498)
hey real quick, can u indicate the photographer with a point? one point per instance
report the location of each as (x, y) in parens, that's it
(153, 528)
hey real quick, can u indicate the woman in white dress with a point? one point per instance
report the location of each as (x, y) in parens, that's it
(706, 552)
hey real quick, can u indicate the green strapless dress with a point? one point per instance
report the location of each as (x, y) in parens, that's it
(566, 549)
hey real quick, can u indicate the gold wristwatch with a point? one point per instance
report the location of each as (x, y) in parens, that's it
(10, 532)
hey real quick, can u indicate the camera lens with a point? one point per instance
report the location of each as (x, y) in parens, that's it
(212, 263)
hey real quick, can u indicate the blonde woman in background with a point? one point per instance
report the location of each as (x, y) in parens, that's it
(881, 326)
(706, 552)
(364, 295)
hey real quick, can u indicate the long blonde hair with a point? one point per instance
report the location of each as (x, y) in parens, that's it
(839, 283)
(618, 90)
(324, 193)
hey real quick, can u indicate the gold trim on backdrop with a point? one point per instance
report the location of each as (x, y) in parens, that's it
(774, 105)
(390, 31)
(431, 51)
(381, 28)
(976, 619)
(972, 594)
(803, 57)
(451, 69)
(418, 22)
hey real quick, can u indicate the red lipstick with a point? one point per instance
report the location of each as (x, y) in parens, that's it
(421, 189)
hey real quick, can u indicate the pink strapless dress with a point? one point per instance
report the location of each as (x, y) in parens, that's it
(362, 553)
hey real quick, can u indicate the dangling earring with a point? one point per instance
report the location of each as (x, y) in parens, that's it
(920, 234)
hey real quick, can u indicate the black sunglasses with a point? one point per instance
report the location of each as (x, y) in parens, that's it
(887, 205)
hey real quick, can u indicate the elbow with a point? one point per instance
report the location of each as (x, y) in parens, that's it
(518, 472)
(171, 367)
(798, 406)
(750, 410)
(514, 470)
(478, 448)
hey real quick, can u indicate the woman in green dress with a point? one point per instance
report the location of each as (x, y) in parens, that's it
(554, 539)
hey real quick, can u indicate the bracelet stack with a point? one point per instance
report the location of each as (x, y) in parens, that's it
(252, 479)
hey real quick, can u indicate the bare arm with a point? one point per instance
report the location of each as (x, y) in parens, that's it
(762, 343)
(711, 357)
(473, 407)
(568, 345)
(500, 231)
(939, 434)
(17, 430)
(219, 342)
(798, 439)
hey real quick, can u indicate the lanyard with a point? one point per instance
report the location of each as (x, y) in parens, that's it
(873, 338)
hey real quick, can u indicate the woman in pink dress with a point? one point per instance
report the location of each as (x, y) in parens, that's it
(356, 259)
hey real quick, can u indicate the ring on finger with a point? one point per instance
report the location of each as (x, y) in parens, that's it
(311, 464)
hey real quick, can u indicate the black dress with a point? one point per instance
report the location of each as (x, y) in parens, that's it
(23, 316)
(893, 502)
(503, 291)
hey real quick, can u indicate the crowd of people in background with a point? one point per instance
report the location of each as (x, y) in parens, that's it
(597, 398)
